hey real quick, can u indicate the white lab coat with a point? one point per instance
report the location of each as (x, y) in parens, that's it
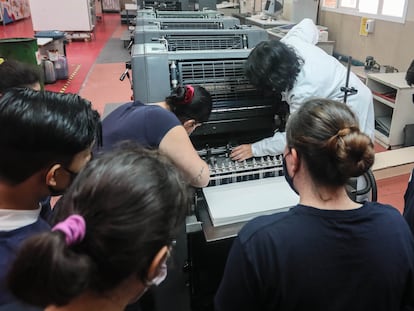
(321, 76)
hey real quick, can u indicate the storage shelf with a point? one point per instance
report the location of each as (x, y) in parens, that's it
(382, 139)
(393, 107)
(384, 101)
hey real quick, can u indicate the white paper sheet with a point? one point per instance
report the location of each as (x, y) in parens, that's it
(245, 200)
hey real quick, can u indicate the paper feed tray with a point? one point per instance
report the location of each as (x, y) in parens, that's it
(242, 201)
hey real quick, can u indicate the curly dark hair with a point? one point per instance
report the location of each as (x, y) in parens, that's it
(273, 65)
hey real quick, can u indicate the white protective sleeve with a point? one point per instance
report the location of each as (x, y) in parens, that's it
(270, 146)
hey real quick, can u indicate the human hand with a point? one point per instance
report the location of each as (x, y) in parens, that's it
(242, 152)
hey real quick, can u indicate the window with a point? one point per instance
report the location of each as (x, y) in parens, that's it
(369, 6)
(391, 10)
(348, 3)
(393, 7)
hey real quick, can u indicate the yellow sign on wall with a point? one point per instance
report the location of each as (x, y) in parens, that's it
(363, 27)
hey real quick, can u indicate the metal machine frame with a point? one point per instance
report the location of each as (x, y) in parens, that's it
(156, 13)
(206, 19)
(238, 37)
(177, 5)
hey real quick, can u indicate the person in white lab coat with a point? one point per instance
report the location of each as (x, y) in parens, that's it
(297, 68)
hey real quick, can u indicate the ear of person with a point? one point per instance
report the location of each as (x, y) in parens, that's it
(189, 123)
(51, 175)
(290, 156)
(157, 262)
(295, 161)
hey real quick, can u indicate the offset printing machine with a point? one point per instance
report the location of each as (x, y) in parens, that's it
(205, 13)
(237, 191)
(155, 13)
(177, 5)
(168, 5)
(207, 19)
(237, 37)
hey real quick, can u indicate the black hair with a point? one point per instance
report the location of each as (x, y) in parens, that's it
(199, 108)
(409, 76)
(38, 129)
(14, 73)
(326, 135)
(274, 66)
(132, 200)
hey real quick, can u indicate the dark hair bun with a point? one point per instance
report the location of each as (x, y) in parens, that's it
(354, 151)
(177, 95)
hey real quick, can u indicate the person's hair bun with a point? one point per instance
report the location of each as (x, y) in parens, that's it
(353, 150)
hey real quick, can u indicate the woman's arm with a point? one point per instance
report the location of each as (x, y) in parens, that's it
(177, 146)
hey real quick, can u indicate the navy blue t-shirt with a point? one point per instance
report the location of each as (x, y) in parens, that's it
(9, 243)
(312, 259)
(409, 203)
(145, 124)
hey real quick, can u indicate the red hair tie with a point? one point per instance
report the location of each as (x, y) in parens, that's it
(189, 94)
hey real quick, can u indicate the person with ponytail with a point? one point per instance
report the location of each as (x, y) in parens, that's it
(327, 252)
(114, 233)
(166, 126)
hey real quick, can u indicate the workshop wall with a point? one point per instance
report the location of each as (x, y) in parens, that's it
(390, 44)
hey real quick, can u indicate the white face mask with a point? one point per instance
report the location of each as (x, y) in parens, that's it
(161, 275)
(155, 281)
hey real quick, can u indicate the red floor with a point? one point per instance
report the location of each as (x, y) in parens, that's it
(100, 84)
(81, 55)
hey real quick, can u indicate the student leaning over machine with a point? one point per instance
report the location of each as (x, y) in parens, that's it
(298, 69)
(165, 126)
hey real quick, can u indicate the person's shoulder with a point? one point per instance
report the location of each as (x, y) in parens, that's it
(38, 226)
(119, 110)
(11, 239)
(388, 212)
(381, 207)
(261, 224)
(162, 115)
(303, 32)
(157, 109)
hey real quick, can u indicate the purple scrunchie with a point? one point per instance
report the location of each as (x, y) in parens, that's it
(74, 228)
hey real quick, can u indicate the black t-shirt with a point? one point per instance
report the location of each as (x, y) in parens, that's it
(312, 259)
